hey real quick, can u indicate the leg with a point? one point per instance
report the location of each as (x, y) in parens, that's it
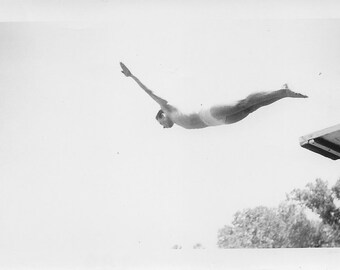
(253, 102)
(257, 100)
(241, 109)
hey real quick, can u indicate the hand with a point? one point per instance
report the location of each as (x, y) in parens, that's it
(125, 70)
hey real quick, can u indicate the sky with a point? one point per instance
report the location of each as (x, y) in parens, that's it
(86, 169)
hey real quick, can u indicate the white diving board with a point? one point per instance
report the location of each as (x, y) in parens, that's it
(325, 142)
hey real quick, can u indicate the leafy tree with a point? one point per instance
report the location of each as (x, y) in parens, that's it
(288, 225)
(323, 201)
(263, 227)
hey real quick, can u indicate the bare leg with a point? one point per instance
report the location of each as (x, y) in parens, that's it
(241, 109)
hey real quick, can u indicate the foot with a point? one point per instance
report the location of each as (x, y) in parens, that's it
(125, 70)
(292, 94)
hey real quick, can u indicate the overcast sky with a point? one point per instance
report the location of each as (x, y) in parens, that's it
(86, 168)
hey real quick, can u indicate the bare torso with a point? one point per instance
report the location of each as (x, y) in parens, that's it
(194, 120)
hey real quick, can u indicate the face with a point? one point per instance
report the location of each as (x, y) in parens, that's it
(164, 120)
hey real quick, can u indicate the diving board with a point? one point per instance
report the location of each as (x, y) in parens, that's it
(325, 142)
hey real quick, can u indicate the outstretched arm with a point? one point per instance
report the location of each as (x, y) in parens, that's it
(162, 102)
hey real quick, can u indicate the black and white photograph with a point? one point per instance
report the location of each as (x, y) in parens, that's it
(169, 134)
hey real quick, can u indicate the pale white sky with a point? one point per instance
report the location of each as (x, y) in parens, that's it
(85, 167)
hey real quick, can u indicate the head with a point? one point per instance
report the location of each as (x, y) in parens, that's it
(164, 120)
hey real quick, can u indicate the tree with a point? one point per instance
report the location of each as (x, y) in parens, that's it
(288, 225)
(323, 201)
(263, 227)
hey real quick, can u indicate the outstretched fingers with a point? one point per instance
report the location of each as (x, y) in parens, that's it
(125, 70)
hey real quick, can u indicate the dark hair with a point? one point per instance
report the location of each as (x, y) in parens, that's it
(160, 112)
(169, 121)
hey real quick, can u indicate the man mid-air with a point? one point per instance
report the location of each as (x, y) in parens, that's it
(169, 115)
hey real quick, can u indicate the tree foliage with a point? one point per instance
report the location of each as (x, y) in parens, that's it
(287, 225)
(323, 201)
(263, 227)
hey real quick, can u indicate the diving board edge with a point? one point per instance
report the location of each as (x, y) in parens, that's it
(325, 142)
